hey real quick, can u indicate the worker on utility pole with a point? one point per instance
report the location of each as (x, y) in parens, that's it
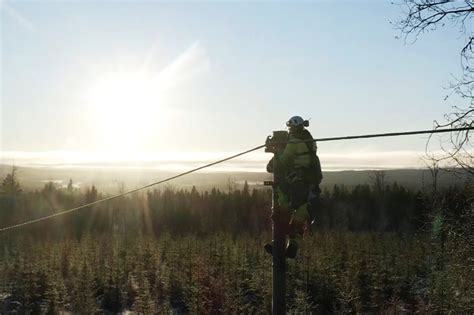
(300, 174)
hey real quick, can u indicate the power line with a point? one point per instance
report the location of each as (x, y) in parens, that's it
(390, 134)
(129, 191)
(393, 134)
(396, 134)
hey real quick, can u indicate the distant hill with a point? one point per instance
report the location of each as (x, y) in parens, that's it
(110, 180)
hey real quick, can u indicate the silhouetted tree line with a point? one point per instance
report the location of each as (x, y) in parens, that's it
(208, 258)
(377, 207)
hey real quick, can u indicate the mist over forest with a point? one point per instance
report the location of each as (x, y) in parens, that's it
(114, 179)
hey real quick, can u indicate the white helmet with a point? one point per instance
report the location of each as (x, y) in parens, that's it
(297, 122)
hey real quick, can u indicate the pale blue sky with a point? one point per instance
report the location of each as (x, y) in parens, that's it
(238, 71)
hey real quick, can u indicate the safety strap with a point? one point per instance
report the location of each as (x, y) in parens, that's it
(302, 153)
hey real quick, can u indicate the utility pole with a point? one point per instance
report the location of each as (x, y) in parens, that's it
(274, 145)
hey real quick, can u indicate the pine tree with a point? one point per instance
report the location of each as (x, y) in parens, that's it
(70, 186)
(10, 186)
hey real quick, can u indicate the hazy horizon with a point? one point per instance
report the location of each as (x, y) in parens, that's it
(182, 161)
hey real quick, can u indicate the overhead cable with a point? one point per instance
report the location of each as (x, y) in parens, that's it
(393, 134)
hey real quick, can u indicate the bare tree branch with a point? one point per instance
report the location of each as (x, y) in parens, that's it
(427, 15)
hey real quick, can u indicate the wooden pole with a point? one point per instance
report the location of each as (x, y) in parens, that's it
(279, 252)
(279, 261)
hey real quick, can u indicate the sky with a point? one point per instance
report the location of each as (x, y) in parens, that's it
(174, 83)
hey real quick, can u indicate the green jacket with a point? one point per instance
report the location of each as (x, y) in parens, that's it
(299, 154)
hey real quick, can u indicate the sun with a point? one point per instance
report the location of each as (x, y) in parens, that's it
(133, 107)
(124, 107)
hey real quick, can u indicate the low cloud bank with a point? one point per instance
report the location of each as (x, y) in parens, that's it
(176, 161)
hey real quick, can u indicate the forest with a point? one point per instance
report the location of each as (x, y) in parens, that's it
(97, 96)
(377, 247)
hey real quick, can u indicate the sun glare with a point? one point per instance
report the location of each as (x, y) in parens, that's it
(123, 107)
